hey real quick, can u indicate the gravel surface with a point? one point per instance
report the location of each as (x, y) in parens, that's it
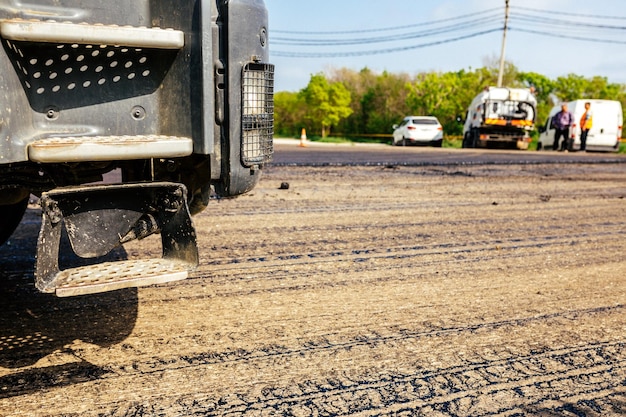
(383, 290)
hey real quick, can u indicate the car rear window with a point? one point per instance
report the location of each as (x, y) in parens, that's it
(425, 122)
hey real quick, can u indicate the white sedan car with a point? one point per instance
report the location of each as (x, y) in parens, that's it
(418, 130)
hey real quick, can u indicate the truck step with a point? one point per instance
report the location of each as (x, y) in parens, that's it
(91, 34)
(99, 218)
(107, 148)
(117, 275)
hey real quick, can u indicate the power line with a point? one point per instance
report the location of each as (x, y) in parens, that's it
(561, 22)
(562, 13)
(379, 51)
(393, 38)
(520, 22)
(385, 29)
(573, 37)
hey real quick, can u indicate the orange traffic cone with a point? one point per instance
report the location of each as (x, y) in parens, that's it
(303, 138)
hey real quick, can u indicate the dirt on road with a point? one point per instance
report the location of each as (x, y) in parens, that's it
(435, 291)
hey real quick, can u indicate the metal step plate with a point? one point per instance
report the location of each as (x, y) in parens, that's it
(116, 275)
(91, 34)
(108, 148)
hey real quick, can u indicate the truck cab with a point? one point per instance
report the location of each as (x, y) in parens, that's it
(175, 97)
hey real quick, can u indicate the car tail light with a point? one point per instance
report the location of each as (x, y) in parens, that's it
(411, 128)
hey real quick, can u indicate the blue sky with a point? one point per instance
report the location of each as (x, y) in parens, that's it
(554, 53)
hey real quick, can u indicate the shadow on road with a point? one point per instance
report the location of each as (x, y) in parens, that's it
(34, 325)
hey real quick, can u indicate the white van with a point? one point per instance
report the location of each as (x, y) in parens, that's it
(605, 134)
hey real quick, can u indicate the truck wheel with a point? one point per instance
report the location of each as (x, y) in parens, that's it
(10, 217)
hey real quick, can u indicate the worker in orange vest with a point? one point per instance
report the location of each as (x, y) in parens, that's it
(586, 121)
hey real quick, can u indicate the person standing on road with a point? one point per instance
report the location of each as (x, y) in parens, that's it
(586, 121)
(562, 122)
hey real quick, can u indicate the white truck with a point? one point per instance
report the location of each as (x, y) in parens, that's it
(500, 116)
(606, 130)
(175, 96)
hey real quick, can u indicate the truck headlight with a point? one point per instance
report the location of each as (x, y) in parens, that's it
(257, 120)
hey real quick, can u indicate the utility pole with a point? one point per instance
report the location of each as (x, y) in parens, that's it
(506, 26)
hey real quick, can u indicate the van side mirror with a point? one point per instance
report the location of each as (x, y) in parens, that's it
(394, 127)
(541, 129)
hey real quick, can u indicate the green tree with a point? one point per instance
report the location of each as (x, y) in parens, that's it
(362, 102)
(358, 83)
(491, 68)
(446, 95)
(385, 102)
(327, 103)
(570, 87)
(378, 100)
(544, 92)
(289, 113)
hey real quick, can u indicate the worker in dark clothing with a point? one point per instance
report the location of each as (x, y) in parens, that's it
(562, 121)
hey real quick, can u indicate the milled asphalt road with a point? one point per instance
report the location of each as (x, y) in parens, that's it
(289, 152)
(402, 287)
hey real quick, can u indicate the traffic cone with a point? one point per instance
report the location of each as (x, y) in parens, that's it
(303, 138)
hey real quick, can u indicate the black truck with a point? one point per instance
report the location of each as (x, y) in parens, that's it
(175, 97)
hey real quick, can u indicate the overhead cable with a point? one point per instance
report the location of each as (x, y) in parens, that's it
(563, 13)
(392, 38)
(385, 29)
(521, 20)
(569, 23)
(564, 36)
(379, 51)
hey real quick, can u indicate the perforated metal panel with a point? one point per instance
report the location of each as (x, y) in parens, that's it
(69, 76)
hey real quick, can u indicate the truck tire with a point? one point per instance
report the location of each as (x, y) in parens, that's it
(10, 217)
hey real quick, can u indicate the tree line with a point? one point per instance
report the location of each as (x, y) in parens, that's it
(349, 102)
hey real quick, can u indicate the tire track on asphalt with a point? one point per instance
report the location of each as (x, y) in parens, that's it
(14, 385)
(403, 251)
(512, 225)
(564, 375)
(384, 206)
(518, 383)
(277, 268)
(454, 391)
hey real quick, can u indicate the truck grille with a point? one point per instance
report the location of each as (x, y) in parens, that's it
(258, 114)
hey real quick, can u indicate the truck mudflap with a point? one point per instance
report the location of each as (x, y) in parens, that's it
(98, 219)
